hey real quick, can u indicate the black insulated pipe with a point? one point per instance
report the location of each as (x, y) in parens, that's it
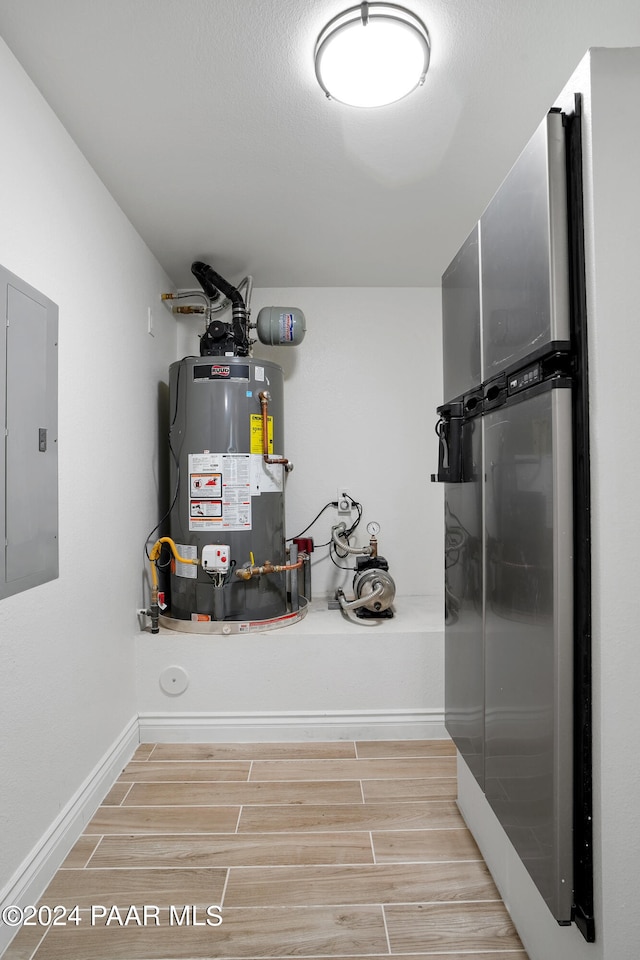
(209, 288)
(209, 280)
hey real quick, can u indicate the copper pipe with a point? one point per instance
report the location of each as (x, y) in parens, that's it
(264, 408)
(245, 573)
(190, 309)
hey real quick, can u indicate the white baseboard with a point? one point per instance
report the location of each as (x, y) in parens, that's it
(283, 726)
(37, 869)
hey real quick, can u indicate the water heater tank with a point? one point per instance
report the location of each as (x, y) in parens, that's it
(228, 497)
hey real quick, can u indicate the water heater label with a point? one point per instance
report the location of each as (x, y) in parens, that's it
(266, 477)
(221, 371)
(286, 328)
(256, 433)
(219, 491)
(206, 485)
(188, 570)
(205, 508)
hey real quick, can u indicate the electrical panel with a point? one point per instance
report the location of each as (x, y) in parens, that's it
(29, 448)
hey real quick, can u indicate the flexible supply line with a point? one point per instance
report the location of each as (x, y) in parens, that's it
(155, 553)
(340, 541)
(348, 607)
(154, 610)
(187, 293)
(245, 573)
(361, 601)
(264, 398)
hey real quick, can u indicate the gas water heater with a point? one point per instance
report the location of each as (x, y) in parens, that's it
(226, 552)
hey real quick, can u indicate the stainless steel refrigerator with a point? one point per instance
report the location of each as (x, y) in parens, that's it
(513, 455)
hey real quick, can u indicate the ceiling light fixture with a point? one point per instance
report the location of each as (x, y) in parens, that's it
(372, 54)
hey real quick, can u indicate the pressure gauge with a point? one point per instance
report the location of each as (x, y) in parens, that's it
(373, 528)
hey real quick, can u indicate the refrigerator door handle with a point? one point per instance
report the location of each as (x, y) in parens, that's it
(449, 432)
(444, 446)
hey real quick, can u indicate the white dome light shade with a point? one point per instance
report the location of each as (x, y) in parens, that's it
(372, 55)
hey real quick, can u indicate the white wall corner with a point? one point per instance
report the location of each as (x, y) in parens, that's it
(37, 869)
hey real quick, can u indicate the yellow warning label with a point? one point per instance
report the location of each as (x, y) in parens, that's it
(256, 433)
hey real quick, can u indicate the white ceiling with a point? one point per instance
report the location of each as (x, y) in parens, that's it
(205, 121)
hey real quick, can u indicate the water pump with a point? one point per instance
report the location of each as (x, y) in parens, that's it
(373, 587)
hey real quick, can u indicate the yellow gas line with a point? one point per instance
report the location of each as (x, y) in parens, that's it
(155, 553)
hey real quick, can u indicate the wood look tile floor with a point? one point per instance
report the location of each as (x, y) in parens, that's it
(271, 850)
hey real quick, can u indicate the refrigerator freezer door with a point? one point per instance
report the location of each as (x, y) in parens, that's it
(464, 657)
(461, 320)
(524, 242)
(529, 635)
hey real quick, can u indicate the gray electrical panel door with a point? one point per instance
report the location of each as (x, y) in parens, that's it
(29, 456)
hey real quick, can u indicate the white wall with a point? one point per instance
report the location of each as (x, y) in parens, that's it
(320, 679)
(67, 656)
(610, 83)
(360, 398)
(614, 247)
